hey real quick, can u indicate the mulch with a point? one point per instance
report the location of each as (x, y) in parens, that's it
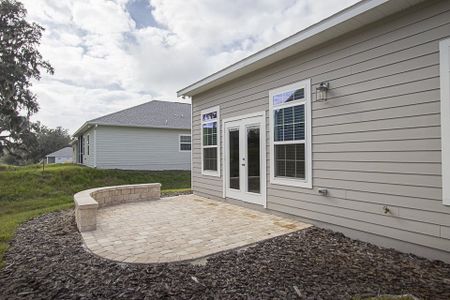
(47, 261)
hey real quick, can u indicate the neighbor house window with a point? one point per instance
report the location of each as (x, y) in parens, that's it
(290, 125)
(185, 142)
(210, 141)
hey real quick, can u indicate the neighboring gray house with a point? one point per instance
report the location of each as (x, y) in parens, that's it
(345, 124)
(63, 155)
(152, 136)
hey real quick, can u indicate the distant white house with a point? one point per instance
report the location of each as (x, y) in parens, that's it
(63, 155)
(152, 136)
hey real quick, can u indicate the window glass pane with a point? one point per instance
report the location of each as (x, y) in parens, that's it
(290, 152)
(185, 147)
(280, 161)
(253, 169)
(210, 134)
(289, 132)
(289, 123)
(209, 116)
(209, 141)
(280, 152)
(299, 131)
(300, 169)
(288, 96)
(280, 168)
(299, 94)
(299, 113)
(300, 161)
(210, 159)
(290, 168)
(290, 161)
(278, 133)
(234, 159)
(214, 138)
(185, 139)
(278, 117)
(185, 142)
(277, 99)
(288, 115)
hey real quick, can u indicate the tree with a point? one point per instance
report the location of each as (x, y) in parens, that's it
(41, 141)
(20, 63)
(47, 141)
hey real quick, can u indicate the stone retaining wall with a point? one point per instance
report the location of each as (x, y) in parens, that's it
(88, 201)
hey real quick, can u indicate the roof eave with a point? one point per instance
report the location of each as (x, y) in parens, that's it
(347, 20)
(83, 128)
(88, 125)
(143, 126)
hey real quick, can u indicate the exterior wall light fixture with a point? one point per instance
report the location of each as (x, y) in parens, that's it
(321, 91)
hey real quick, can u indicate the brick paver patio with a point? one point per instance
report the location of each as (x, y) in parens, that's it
(180, 228)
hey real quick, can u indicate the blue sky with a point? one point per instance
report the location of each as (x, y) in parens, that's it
(113, 54)
(140, 12)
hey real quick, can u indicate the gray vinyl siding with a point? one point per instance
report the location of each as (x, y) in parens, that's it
(375, 142)
(140, 149)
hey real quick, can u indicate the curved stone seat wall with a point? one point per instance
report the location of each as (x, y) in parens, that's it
(88, 201)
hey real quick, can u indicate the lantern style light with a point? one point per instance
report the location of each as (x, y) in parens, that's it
(321, 91)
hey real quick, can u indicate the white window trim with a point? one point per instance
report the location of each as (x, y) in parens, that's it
(307, 182)
(179, 142)
(444, 51)
(208, 172)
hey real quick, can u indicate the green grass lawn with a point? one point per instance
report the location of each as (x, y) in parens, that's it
(26, 192)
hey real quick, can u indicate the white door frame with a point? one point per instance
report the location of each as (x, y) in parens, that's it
(263, 150)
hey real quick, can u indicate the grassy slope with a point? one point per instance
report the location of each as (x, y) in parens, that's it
(26, 192)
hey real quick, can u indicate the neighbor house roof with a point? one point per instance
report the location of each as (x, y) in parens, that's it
(345, 21)
(64, 152)
(153, 114)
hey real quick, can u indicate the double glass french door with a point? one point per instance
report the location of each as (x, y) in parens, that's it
(244, 161)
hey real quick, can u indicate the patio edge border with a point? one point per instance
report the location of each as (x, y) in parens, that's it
(88, 201)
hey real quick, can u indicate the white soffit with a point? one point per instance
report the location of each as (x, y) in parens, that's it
(349, 19)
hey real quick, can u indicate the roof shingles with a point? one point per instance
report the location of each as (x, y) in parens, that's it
(64, 152)
(153, 114)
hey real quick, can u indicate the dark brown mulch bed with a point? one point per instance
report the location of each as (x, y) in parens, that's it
(46, 261)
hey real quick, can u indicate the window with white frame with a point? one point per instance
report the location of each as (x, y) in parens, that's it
(210, 141)
(185, 142)
(290, 130)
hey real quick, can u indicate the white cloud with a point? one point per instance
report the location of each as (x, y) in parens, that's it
(102, 17)
(105, 62)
